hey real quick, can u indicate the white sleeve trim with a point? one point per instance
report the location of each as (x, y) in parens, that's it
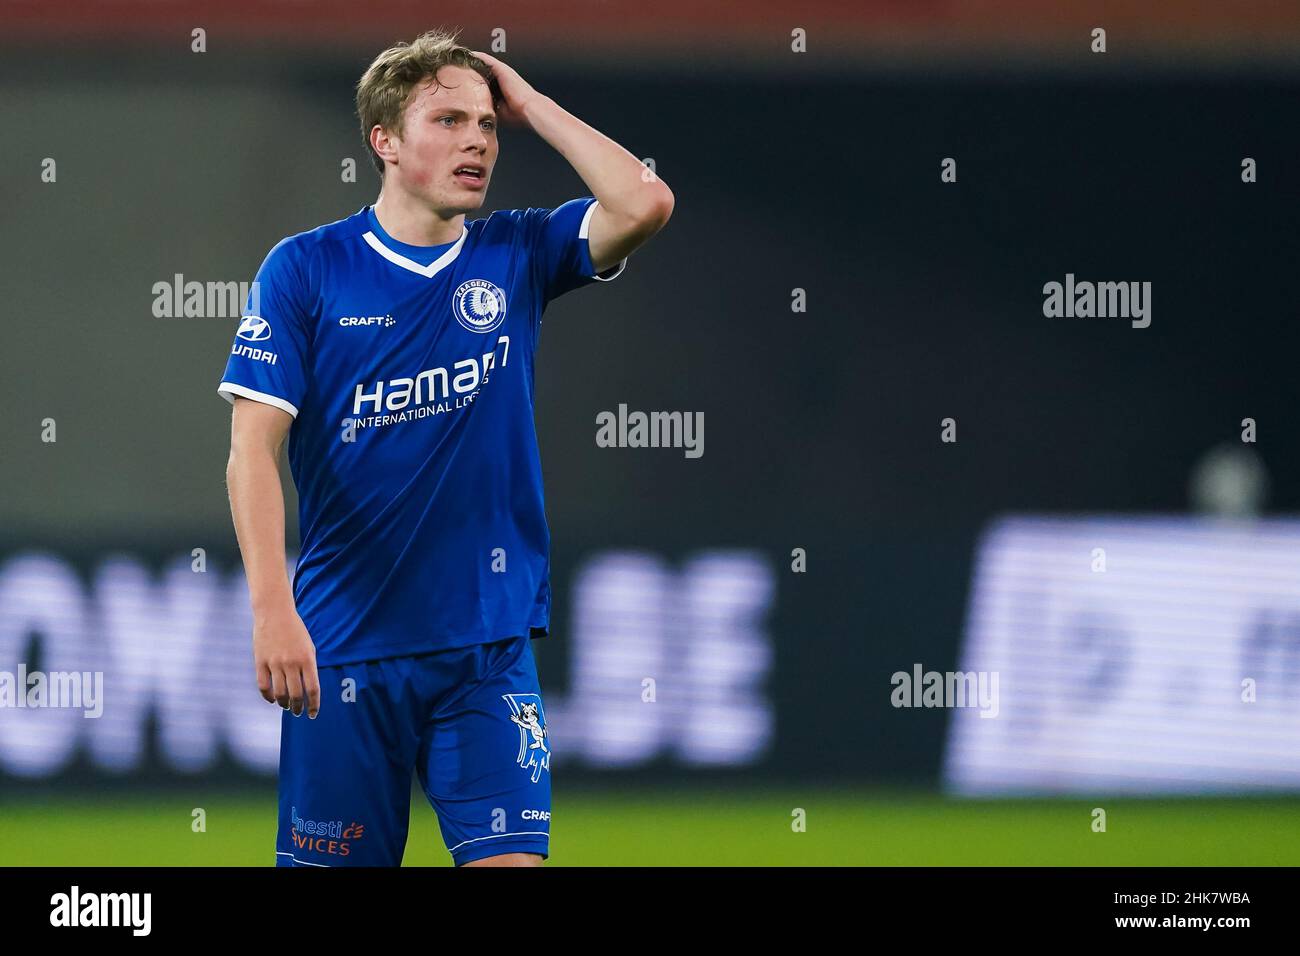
(582, 234)
(586, 219)
(228, 391)
(617, 272)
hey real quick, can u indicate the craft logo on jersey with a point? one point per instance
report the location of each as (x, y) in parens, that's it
(479, 305)
(381, 321)
(526, 711)
(254, 328)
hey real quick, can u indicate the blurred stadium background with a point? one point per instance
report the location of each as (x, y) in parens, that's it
(1164, 689)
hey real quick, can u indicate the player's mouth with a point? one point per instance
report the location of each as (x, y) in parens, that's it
(471, 175)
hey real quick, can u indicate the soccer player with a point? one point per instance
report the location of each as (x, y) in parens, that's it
(395, 349)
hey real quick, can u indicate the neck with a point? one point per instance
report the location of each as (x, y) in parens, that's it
(410, 220)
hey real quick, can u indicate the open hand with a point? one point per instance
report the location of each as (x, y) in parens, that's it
(516, 92)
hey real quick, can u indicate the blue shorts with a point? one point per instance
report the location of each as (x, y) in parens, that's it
(469, 721)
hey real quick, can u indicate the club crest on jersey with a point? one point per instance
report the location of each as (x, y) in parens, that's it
(479, 305)
(526, 711)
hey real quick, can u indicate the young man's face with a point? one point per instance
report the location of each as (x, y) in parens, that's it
(448, 126)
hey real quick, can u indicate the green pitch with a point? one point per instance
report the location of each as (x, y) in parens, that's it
(741, 828)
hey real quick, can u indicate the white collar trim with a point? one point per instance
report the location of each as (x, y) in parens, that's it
(429, 271)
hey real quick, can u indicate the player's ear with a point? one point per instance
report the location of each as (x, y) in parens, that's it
(383, 143)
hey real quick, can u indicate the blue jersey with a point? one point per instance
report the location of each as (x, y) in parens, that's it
(409, 373)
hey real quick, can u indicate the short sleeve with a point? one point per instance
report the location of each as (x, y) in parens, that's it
(561, 256)
(268, 361)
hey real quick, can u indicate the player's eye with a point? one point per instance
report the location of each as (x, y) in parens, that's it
(489, 125)
(451, 118)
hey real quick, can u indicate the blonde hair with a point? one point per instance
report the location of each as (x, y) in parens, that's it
(385, 87)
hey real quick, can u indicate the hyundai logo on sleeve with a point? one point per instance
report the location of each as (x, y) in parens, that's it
(254, 328)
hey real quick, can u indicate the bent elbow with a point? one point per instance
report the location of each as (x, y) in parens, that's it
(662, 210)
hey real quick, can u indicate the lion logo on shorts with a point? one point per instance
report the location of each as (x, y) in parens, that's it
(526, 712)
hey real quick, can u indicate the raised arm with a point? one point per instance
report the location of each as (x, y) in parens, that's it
(634, 203)
(283, 654)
